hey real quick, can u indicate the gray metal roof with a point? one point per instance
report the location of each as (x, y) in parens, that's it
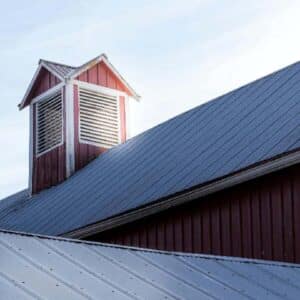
(34, 267)
(252, 124)
(60, 69)
(7, 203)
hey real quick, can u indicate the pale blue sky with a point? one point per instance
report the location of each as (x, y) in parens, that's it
(176, 54)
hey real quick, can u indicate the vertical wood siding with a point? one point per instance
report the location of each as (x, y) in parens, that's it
(50, 168)
(44, 82)
(259, 219)
(101, 75)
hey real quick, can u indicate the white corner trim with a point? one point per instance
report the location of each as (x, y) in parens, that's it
(30, 173)
(127, 118)
(230, 181)
(69, 125)
(99, 88)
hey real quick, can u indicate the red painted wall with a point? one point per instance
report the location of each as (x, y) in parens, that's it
(259, 219)
(50, 168)
(44, 82)
(100, 75)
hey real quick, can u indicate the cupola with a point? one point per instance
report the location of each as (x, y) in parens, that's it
(76, 113)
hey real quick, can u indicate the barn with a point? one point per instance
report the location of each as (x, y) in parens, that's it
(221, 179)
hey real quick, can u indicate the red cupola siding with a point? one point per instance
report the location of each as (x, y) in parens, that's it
(76, 113)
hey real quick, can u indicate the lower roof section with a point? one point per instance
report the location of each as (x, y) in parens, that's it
(39, 267)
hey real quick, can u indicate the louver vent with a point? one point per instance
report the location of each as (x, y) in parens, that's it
(49, 123)
(99, 121)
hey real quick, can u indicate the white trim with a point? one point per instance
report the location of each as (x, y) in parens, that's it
(86, 66)
(119, 119)
(47, 93)
(99, 88)
(77, 72)
(104, 91)
(127, 118)
(70, 148)
(35, 75)
(49, 149)
(95, 144)
(104, 59)
(230, 181)
(30, 173)
(45, 97)
(52, 71)
(42, 64)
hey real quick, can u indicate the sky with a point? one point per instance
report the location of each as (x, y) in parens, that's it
(176, 55)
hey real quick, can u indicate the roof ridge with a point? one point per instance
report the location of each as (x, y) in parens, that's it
(56, 63)
(174, 253)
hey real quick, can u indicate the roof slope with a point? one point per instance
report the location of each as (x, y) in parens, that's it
(254, 123)
(66, 72)
(35, 267)
(60, 69)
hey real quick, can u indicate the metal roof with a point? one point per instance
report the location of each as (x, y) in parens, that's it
(37, 267)
(60, 69)
(254, 123)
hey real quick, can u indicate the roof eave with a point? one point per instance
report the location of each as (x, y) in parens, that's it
(250, 173)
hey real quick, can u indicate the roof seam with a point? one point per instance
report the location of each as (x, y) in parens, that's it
(42, 269)
(250, 279)
(86, 269)
(24, 289)
(180, 279)
(209, 275)
(135, 273)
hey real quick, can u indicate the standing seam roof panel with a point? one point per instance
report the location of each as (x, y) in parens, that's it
(39, 267)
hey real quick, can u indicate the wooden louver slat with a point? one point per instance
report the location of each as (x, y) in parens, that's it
(49, 123)
(99, 121)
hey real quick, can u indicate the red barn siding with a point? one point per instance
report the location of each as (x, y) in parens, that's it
(259, 219)
(49, 168)
(101, 75)
(44, 82)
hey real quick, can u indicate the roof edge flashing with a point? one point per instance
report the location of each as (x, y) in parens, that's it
(141, 249)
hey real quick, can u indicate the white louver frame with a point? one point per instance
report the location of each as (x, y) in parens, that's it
(49, 123)
(99, 117)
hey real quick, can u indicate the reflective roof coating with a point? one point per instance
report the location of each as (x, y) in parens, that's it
(34, 267)
(254, 123)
